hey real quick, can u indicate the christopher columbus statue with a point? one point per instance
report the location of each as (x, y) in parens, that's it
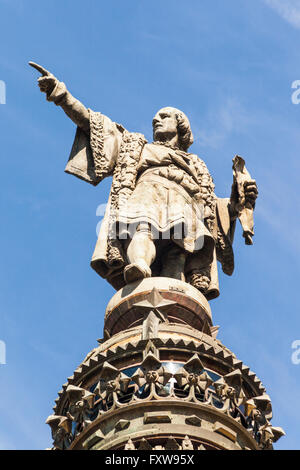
(163, 217)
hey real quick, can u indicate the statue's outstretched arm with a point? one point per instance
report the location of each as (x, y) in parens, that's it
(57, 92)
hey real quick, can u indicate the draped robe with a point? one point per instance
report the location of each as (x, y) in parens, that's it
(149, 180)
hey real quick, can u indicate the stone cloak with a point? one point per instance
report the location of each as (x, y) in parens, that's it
(110, 150)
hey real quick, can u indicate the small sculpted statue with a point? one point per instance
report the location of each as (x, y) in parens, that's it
(163, 217)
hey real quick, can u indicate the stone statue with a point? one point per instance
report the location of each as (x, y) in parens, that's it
(163, 217)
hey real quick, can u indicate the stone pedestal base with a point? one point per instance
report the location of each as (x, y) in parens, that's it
(161, 380)
(185, 305)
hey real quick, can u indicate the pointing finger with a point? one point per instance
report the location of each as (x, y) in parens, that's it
(39, 68)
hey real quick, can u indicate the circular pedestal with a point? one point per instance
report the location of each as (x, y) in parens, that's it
(135, 393)
(161, 380)
(179, 302)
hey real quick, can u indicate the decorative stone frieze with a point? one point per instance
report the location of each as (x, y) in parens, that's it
(162, 385)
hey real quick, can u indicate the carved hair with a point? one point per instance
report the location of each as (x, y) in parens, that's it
(185, 136)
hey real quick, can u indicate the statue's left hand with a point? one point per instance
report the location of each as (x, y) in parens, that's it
(251, 192)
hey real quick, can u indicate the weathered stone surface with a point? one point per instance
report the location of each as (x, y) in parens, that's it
(193, 420)
(225, 431)
(154, 417)
(93, 439)
(219, 407)
(178, 303)
(164, 218)
(159, 380)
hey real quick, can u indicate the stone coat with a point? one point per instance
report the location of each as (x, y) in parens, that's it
(149, 178)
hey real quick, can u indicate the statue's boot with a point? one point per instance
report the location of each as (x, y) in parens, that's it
(135, 271)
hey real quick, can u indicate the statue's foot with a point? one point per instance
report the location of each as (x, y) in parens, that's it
(135, 271)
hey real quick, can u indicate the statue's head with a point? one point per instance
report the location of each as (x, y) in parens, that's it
(169, 122)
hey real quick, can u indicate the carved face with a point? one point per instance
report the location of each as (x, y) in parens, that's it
(111, 386)
(193, 379)
(165, 124)
(78, 406)
(152, 376)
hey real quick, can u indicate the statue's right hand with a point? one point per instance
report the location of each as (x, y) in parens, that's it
(47, 81)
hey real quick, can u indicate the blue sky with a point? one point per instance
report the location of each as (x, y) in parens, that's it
(229, 66)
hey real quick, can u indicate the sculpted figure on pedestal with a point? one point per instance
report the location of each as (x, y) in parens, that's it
(163, 217)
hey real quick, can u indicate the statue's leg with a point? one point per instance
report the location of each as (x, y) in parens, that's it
(173, 263)
(200, 278)
(200, 267)
(140, 253)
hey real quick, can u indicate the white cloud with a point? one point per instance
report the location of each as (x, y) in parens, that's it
(287, 9)
(277, 208)
(220, 123)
